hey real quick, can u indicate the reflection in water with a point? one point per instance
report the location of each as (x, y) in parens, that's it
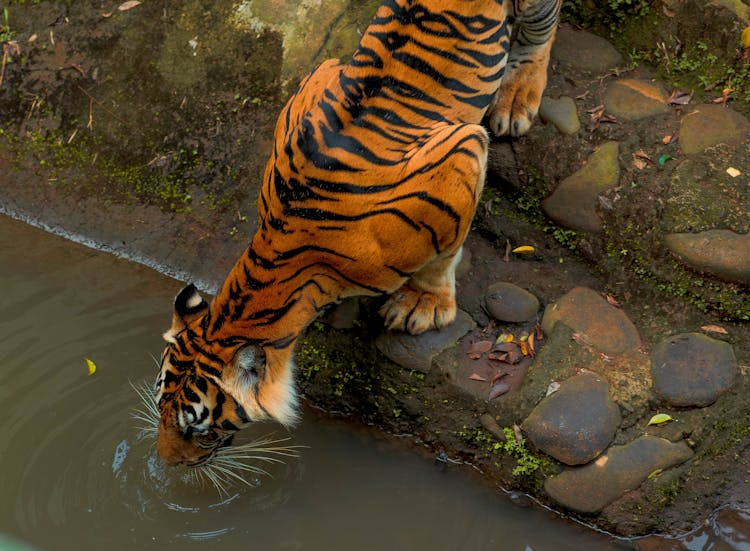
(78, 472)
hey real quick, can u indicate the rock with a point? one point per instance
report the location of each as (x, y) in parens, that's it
(508, 302)
(692, 369)
(417, 351)
(573, 204)
(343, 315)
(590, 488)
(635, 99)
(491, 426)
(584, 51)
(602, 325)
(709, 125)
(575, 423)
(721, 253)
(560, 112)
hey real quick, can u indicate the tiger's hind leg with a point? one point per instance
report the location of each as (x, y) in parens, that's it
(517, 100)
(428, 300)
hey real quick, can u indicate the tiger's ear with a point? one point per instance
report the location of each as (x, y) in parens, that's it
(188, 306)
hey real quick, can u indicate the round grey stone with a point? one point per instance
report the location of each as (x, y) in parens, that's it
(509, 302)
(692, 369)
(575, 423)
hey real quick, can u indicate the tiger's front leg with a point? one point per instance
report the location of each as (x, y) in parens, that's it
(442, 201)
(516, 102)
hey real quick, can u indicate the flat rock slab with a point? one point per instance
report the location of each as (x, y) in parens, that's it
(635, 99)
(574, 201)
(561, 112)
(600, 324)
(590, 488)
(584, 51)
(418, 351)
(508, 302)
(575, 423)
(692, 369)
(721, 253)
(709, 125)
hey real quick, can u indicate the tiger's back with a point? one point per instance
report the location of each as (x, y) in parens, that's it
(376, 170)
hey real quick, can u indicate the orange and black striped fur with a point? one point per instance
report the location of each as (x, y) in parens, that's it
(375, 174)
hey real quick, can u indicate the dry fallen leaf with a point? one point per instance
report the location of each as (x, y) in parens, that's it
(680, 98)
(733, 172)
(613, 301)
(715, 329)
(524, 249)
(130, 4)
(91, 365)
(745, 38)
(477, 377)
(498, 390)
(724, 97)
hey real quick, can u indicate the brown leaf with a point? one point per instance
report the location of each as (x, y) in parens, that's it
(669, 138)
(498, 390)
(477, 377)
(680, 98)
(517, 434)
(498, 376)
(715, 329)
(524, 348)
(506, 257)
(503, 356)
(595, 118)
(531, 343)
(613, 301)
(505, 347)
(129, 5)
(667, 11)
(480, 347)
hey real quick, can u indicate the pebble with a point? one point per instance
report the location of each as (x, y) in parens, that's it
(561, 112)
(588, 313)
(573, 203)
(709, 125)
(417, 351)
(692, 369)
(722, 253)
(584, 51)
(635, 99)
(508, 302)
(576, 423)
(590, 488)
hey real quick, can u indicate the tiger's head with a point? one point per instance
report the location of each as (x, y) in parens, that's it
(208, 389)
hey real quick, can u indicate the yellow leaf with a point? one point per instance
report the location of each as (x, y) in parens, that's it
(524, 249)
(660, 418)
(91, 365)
(504, 337)
(655, 473)
(745, 38)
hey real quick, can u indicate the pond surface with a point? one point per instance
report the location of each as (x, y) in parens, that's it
(78, 472)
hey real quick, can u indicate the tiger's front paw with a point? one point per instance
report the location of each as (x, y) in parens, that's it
(417, 311)
(517, 100)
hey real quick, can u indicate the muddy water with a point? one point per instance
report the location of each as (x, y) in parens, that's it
(78, 473)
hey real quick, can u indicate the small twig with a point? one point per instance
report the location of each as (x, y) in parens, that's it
(90, 125)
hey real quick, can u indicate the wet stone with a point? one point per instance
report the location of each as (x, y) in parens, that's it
(418, 351)
(509, 302)
(561, 112)
(635, 99)
(721, 253)
(573, 204)
(598, 323)
(590, 488)
(575, 423)
(584, 51)
(709, 125)
(692, 369)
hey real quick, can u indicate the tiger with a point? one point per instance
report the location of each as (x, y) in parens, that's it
(376, 169)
